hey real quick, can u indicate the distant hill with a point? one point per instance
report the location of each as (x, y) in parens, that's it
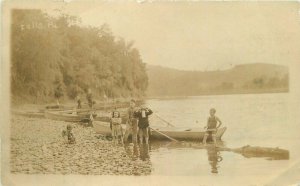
(248, 78)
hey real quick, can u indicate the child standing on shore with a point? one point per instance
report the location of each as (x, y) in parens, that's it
(211, 128)
(116, 130)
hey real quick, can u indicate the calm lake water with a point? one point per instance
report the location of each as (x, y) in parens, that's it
(259, 120)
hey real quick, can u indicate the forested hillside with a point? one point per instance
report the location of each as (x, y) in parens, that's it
(249, 78)
(55, 55)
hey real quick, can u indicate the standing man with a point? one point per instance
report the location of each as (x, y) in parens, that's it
(78, 101)
(89, 98)
(131, 125)
(142, 115)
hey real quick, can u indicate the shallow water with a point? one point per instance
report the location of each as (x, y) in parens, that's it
(263, 120)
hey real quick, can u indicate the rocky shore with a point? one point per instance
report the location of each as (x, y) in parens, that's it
(37, 147)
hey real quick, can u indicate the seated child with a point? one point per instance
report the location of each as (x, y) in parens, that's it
(116, 129)
(69, 134)
(211, 128)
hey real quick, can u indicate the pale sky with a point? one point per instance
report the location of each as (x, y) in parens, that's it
(202, 35)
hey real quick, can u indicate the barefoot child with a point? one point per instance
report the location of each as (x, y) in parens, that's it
(69, 134)
(211, 128)
(116, 130)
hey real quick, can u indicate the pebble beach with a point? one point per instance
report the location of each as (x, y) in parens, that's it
(37, 147)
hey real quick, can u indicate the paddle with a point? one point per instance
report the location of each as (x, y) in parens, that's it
(164, 120)
(164, 134)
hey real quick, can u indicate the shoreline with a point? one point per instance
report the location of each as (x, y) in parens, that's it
(216, 94)
(37, 147)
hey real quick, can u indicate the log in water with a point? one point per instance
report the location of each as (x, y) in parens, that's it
(273, 153)
(247, 151)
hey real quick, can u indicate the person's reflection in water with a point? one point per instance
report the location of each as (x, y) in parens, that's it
(137, 151)
(132, 150)
(144, 152)
(214, 157)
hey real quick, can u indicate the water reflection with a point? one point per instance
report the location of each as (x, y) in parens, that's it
(214, 157)
(144, 152)
(136, 151)
(213, 152)
(182, 154)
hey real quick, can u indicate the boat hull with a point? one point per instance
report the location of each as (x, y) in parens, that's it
(30, 114)
(190, 134)
(66, 116)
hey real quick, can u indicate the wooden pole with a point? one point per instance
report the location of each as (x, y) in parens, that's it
(164, 120)
(164, 135)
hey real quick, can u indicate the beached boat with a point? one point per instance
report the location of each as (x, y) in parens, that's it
(173, 132)
(107, 119)
(70, 116)
(30, 114)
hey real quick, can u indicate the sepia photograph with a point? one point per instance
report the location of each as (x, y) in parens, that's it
(202, 93)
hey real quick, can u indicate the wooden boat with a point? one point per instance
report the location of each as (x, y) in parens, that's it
(185, 133)
(70, 116)
(176, 133)
(30, 114)
(104, 128)
(107, 119)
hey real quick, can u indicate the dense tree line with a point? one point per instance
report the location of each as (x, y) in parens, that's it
(54, 56)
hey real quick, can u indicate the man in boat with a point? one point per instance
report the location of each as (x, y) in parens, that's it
(143, 123)
(211, 128)
(131, 125)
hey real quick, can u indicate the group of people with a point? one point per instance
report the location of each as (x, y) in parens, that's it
(137, 124)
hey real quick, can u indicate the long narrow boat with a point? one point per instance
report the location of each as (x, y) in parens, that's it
(176, 133)
(30, 114)
(69, 116)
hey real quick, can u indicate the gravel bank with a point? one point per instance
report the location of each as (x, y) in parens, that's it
(37, 147)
